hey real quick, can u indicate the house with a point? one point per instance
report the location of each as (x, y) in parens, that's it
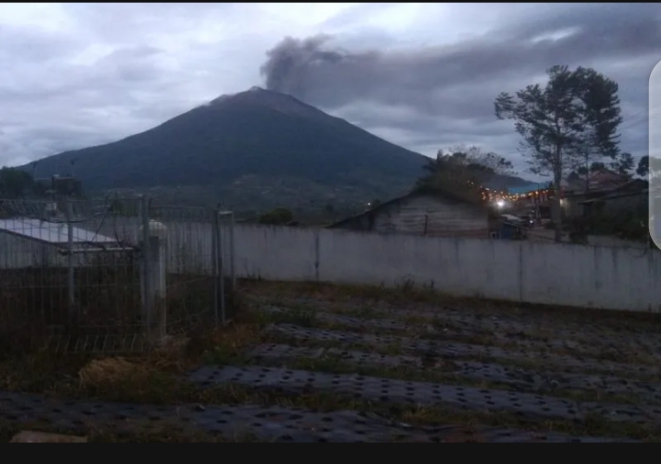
(423, 213)
(600, 180)
(28, 243)
(60, 186)
(624, 197)
(628, 198)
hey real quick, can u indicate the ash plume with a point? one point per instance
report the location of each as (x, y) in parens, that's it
(291, 63)
(463, 78)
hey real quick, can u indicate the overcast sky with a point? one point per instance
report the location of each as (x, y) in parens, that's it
(423, 76)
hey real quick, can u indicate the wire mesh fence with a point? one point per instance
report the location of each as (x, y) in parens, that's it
(110, 276)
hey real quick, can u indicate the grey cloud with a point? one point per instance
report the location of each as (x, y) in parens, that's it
(117, 70)
(127, 23)
(152, 65)
(462, 80)
(32, 44)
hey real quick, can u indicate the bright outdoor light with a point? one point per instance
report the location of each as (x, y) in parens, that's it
(500, 203)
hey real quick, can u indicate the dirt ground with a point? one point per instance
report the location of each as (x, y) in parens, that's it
(322, 363)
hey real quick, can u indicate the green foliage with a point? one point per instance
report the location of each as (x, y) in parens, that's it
(565, 124)
(278, 216)
(623, 164)
(632, 225)
(462, 173)
(643, 166)
(15, 183)
(126, 208)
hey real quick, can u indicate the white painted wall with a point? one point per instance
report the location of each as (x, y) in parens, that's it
(562, 274)
(534, 272)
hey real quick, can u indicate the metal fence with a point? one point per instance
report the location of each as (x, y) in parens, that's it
(114, 275)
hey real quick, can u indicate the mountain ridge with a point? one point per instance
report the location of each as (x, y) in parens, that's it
(258, 133)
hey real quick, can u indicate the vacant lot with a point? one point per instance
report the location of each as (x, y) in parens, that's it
(313, 363)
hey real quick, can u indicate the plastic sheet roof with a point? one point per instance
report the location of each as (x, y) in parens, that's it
(52, 233)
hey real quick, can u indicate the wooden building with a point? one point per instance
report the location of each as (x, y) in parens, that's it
(422, 213)
(632, 195)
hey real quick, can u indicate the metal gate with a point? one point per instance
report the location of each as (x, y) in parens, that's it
(111, 276)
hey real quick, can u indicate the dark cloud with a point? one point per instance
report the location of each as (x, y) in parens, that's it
(75, 75)
(460, 81)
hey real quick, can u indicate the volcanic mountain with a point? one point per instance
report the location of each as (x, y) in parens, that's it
(249, 135)
(256, 149)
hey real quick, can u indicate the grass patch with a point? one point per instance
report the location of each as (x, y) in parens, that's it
(531, 364)
(436, 327)
(408, 295)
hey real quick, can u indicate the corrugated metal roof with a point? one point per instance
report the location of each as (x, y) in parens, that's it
(53, 233)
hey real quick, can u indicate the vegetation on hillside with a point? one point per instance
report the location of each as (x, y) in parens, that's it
(252, 133)
(15, 183)
(252, 151)
(278, 216)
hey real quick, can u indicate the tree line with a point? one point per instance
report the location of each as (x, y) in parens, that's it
(570, 125)
(568, 129)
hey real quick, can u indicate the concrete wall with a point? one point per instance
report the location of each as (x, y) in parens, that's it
(562, 274)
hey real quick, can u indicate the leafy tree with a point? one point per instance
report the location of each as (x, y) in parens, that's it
(582, 173)
(15, 183)
(643, 166)
(601, 117)
(462, 171)
(278, 216)
(119, 207)
(573, 117)
(624, 164)
(472, 159)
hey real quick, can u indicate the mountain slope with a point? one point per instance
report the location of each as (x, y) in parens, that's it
(256, 132)
(255, 149)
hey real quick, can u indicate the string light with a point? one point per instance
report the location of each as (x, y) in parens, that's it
(500, 195)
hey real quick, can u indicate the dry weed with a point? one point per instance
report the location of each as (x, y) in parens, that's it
(112, 371)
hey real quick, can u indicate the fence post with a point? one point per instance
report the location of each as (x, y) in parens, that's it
(215, 226)
(145, 287)
(232, 247)
(154, 237)
(158, 235)
(71, 289)
(221, 271)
